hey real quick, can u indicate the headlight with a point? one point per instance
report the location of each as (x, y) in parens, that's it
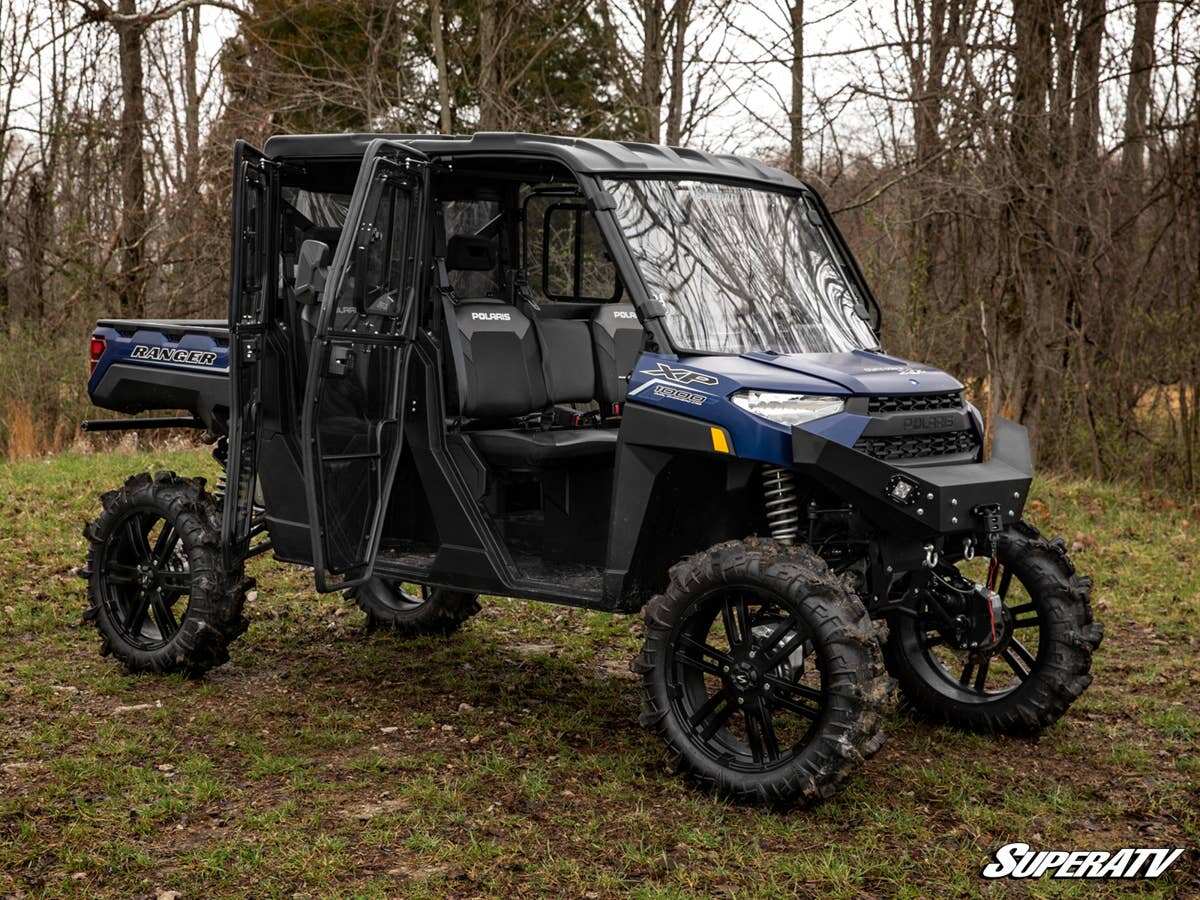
(788, 409)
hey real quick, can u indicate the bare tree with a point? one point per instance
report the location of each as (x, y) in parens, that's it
(439, 56)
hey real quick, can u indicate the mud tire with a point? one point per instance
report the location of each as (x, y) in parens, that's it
(438, 611)
(849, 729)
(1063, 670)
(213, 616)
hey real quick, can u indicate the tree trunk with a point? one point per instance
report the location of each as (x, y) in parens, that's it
(439, 56)
(928, 75)
(653, 63)
(133, 174)
(37, 221)
(1129, 245)
(796, 113)
(682, 15)
(1029, 193)
(490, 115)
(1137, 98)
(191, 96)
(5, 290)
(1084, 309)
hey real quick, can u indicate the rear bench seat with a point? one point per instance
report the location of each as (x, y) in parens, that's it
(500, 372)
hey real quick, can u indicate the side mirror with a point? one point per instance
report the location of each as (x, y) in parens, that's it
(312, 265)
(869, 312)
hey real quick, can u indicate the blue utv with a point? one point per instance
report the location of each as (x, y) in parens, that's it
(612, 375)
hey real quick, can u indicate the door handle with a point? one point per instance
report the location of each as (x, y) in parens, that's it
(341, 360)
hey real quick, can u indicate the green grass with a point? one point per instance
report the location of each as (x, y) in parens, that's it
(273, 776)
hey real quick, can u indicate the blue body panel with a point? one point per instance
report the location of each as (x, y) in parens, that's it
(197, 352)
(700, 387)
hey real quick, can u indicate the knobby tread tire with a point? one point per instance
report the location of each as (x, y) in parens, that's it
(214, 615)
(1057, 681)
(443, 612)
(850, 728)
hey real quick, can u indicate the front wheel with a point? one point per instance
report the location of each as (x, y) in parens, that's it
(762, 672)
(1021, 672)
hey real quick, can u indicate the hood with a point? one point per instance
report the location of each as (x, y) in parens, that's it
(862, 371)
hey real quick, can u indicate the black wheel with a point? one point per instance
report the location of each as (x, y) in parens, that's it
(413, 610)
(158, 594)
(1017, 677)
(762, 672)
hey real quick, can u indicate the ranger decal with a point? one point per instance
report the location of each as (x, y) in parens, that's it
(174, 355)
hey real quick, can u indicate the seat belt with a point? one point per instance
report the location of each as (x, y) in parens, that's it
(446, 292)
(521, 290)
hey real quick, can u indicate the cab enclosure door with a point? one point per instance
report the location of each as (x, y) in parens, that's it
(250, 282)
(351, 430)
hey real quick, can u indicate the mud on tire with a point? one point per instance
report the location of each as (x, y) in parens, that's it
(793, 594)
(187, 622)
(1061, 670)
(433, 611)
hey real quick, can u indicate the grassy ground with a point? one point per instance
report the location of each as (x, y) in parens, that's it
(508, 760)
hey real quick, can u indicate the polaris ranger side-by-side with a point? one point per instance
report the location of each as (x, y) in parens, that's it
(612, 375)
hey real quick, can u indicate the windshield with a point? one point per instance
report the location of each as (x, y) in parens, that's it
(739, 268)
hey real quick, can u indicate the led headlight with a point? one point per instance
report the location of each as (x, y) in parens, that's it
(787, 409)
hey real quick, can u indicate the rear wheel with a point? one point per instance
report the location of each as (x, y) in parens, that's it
(158, 593)
(1018, 677)
(412, 610)
(763, 673)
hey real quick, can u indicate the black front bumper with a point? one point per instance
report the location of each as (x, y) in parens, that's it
(943, 499)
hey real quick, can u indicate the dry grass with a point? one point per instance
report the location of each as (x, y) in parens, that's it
(22, 434)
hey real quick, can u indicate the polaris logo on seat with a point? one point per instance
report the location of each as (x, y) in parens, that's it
(623, 314)
(175, 355)
(492, 317)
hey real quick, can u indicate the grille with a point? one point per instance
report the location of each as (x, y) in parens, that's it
(889, 403)
(918, 446)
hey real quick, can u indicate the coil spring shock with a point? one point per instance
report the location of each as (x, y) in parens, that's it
(783, 508)
(220, 453)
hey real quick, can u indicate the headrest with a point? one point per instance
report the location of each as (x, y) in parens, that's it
(464, 252)
(327, 236)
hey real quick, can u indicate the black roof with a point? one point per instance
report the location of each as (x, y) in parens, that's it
(582, 155)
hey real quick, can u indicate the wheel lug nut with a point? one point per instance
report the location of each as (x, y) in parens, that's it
(726, 668)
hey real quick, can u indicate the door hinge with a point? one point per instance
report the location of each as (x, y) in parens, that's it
(251, 349)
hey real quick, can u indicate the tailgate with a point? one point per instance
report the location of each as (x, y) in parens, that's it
(162, 364)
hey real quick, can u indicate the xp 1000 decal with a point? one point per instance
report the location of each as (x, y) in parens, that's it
(665, 382)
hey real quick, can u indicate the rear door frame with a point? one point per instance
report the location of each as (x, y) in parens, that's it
(253, 247)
